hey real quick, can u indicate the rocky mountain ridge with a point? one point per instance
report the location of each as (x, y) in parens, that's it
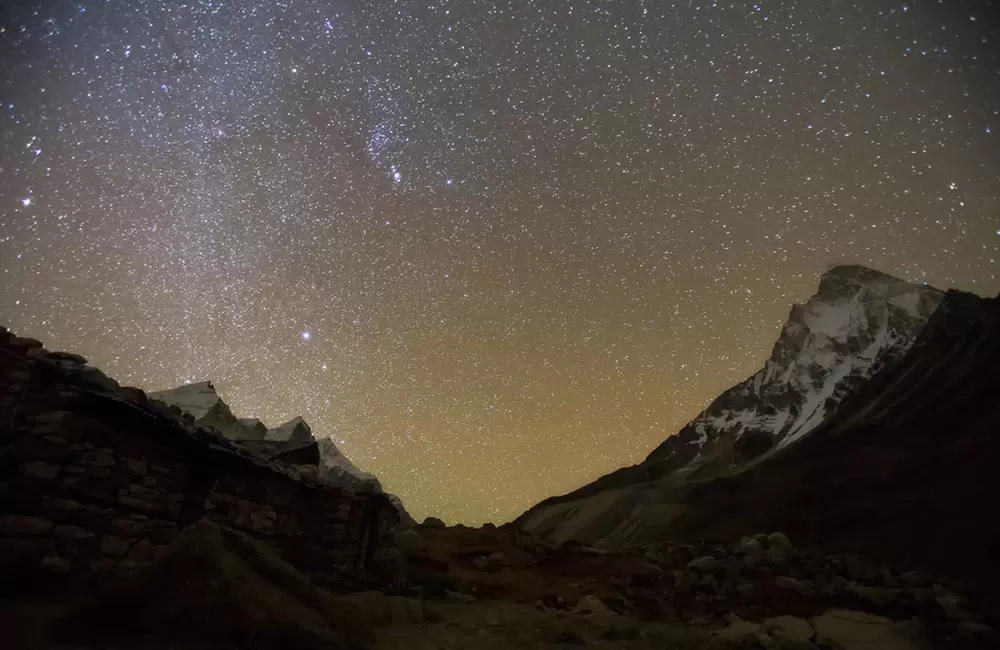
(202, 401)
(858, 322)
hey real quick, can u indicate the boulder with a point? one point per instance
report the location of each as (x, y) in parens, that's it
(791, 628)
(408, 541)
(735, 635)
(779, 540)
(799, 587)
(24, 526)
(705, 564)
(434, 522)
(978, 633)
(593, 605)
(685, 581)
(850, 630)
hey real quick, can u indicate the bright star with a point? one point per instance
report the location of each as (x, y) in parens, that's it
(306, 336)
(26, 201)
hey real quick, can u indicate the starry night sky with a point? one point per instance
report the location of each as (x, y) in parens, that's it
(494, 250)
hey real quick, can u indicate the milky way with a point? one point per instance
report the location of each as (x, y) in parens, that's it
(493, 250)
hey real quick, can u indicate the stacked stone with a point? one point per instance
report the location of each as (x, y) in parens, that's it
(94, 479)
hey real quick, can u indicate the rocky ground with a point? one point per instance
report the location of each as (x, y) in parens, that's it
(493, 588)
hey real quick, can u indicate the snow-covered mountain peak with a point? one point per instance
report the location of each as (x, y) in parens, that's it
(295, 430)
(208, 409)
(858, 321)
(196, 399)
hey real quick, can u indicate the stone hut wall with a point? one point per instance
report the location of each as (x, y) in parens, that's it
(94, 478)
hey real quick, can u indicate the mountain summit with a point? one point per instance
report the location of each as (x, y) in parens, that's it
(292, 442)
(858, 322)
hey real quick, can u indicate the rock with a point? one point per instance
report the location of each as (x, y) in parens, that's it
(857, 569)
(114, 546)
(67, 356)
(850, 630)
(779, 540)
(776, 558)
(593, 605)
(747, 591)
(126, 528)
(68, 532)
(734, 635)
(793, 584)
(792, 628)
(406, 610)
(705, 564)
(459, 597)
(976, 632)
(44, 471)
(138, 466)
(56, 564)
(496, 560)
(751, 546)
(481, 562)
(685, 581)
(707, 584)
(434, 522)
(408, 541)
(952, 607)
(24, 526)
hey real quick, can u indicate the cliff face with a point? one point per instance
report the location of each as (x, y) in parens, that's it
(96, 477)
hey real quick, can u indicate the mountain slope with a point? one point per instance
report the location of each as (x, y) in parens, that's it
(858, 322)
(906, 469)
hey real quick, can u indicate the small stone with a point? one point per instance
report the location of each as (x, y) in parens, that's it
(57, 440)
(481, 562)
(44, 471)
(56, 564)
(114, 546)
(24, 526)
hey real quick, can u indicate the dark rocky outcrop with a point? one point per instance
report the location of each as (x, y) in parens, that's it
(96, 478)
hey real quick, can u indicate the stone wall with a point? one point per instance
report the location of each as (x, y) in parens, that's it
(95, 478)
